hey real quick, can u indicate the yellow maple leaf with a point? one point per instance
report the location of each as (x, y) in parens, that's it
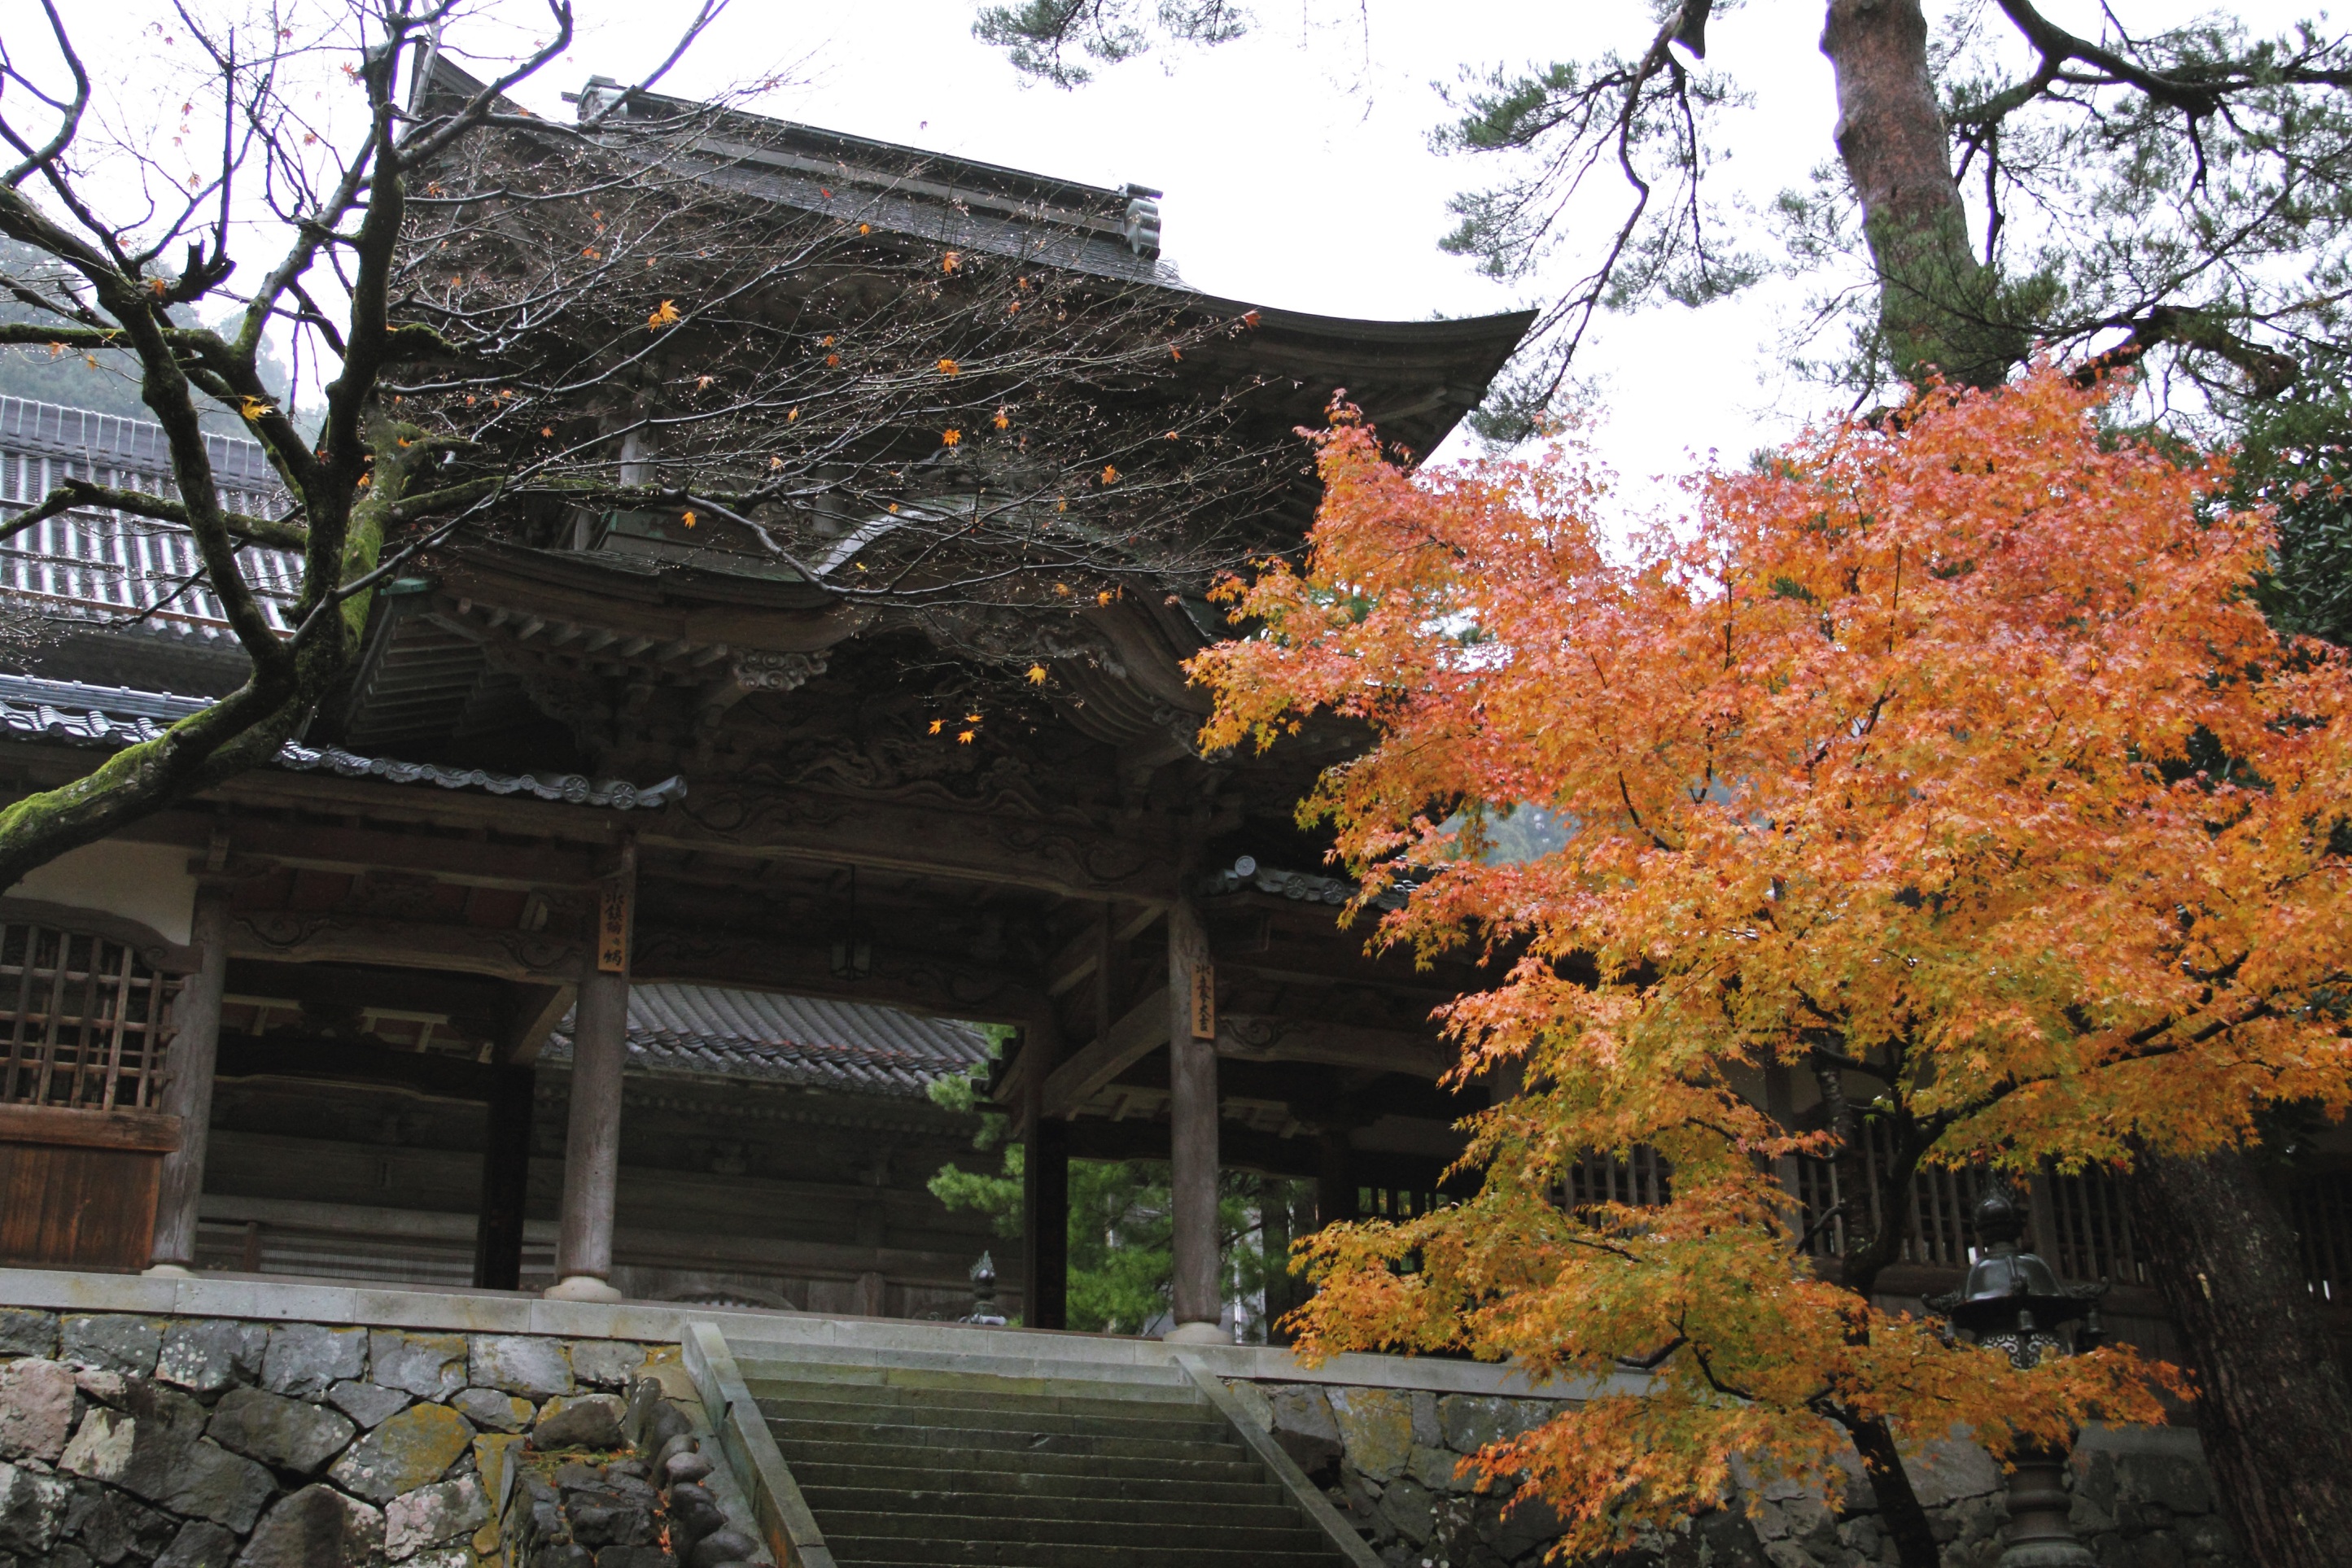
(971, 718)
(949, 368)
(687, 520)
(937, 725)
(775, 462)
(667, 315)
(963, 737)
(252, 407)
(950, 437)
(865, 228)
(1036, 674)
(160, 286)
(951, 262)
(1003, 418)
(1104, 597)
(1111, 475)
(791, 416)
(1174, 352)
(1063, 589)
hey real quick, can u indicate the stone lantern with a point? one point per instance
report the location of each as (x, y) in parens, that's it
(2012, 1302)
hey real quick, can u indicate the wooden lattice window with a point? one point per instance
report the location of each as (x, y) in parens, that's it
(83, 1020)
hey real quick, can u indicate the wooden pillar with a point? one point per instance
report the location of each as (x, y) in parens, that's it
(591, 1139)
(188, 1064)
(1335, 1177)
(1192, 1129)
(506, 1180)
(1046, 1224)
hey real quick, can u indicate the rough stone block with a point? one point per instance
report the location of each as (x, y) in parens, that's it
(717, 1549)
(200, 1544)
(535, 1368)
(25, 1332)
(317, 1527)
(2175, 1481)
(1950, 1469)
(583, 1421)
(1425, 1428)
(498, 1411)
(1253, 1401)
(1303, 1426)
(110, 1527)
(137, 1437)
(208, 1355)
(1375, 1429)
(213, 1483)
(429, 1365)
(1517, 1526)
(1470, 1421)
(606, 1362)
(32, 1510)
(410, 1451)
(290, 1433)
(369, 1404)
(1434, 1469)
(437, 1515)
(111, 1342)
(1410, 1510)
(494, 1462)
(36, 1400)
(304, 1360)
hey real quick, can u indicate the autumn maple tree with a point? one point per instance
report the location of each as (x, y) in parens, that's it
(1946, 761)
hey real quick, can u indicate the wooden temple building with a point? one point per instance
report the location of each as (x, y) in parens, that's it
(603, 935)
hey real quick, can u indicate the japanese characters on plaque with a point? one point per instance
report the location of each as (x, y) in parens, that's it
(613, 927)
(1204, 1000)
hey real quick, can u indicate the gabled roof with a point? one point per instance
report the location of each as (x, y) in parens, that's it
(710, 1031)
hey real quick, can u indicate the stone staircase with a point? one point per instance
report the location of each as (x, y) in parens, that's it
(915, 1461)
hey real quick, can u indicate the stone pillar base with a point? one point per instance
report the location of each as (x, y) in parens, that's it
(581, 1288)
(170, 1271)
(1196, 1334)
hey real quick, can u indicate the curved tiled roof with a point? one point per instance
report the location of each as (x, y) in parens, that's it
(712, 1031)
(118, 715)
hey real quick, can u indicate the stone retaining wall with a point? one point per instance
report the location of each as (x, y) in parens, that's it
(152, 1442)
(1387, 1458)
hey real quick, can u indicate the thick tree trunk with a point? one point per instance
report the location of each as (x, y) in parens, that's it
(1937, 302)
(2273, 1405)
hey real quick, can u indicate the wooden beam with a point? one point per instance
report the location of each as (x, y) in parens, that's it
(918, 836)
(445, 1077)
(537, 1011)
(151, 1132)
(293, 936)
(1141, 1030)
(1267, 1036)
(951, 986)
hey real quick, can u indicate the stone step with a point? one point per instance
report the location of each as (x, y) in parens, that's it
(1201, 1508)
(985, 1374)
(909, 1435)
(892, 1551)
(977, 1397)
(1001, 1416)
(936, 1464)
(1099, 1533)
(1182, 1483)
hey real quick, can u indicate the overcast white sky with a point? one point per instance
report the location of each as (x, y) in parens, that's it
(1295, 161)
